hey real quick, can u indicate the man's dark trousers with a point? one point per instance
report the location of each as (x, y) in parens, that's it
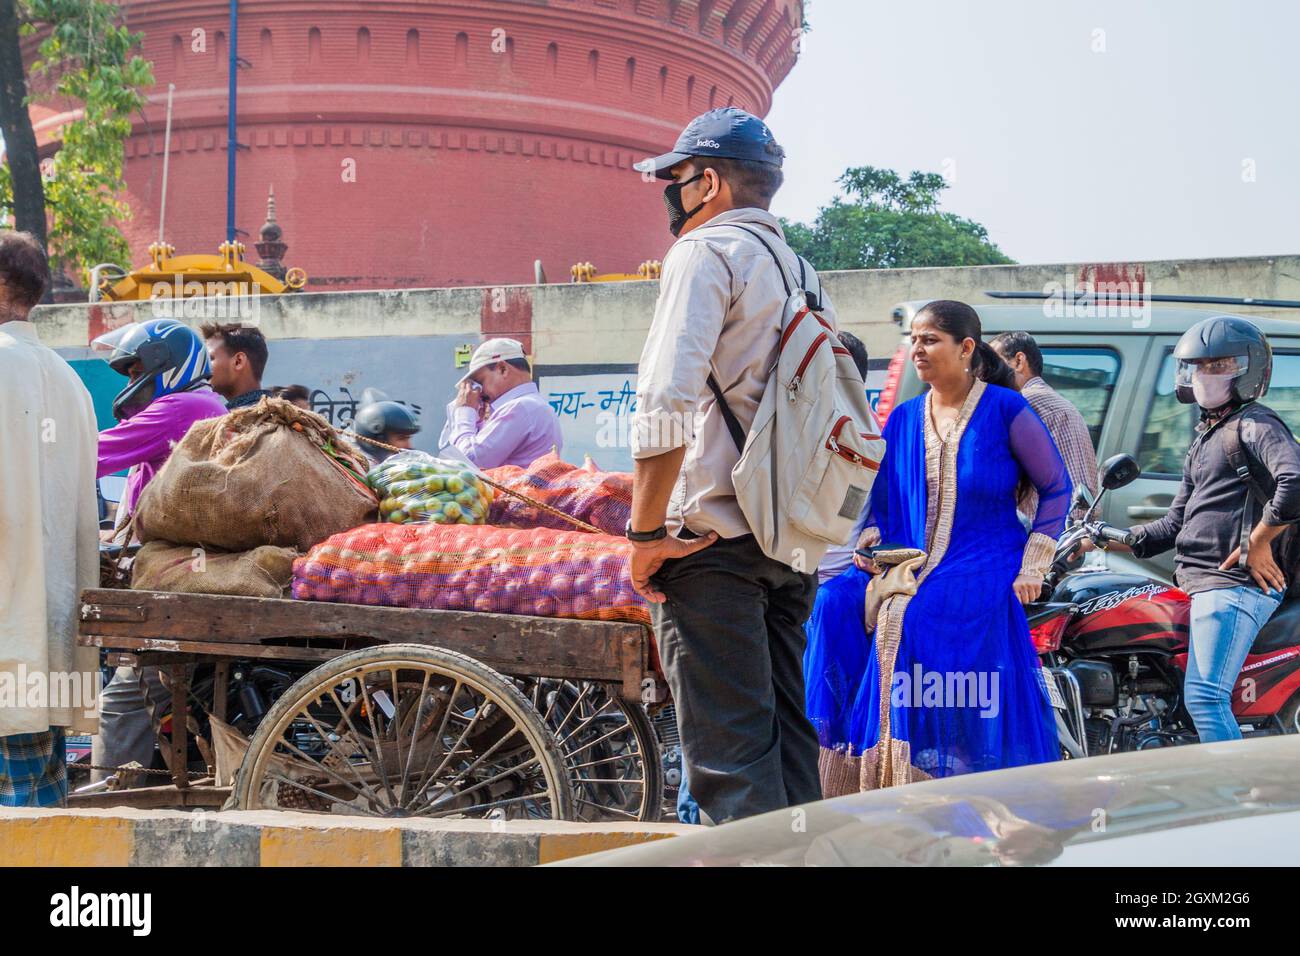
(731, 641)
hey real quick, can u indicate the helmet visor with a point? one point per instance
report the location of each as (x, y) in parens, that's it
(1229, 367)
(117, 347)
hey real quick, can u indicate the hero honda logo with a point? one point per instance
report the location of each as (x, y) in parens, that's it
(708, 144)
(1269, 661)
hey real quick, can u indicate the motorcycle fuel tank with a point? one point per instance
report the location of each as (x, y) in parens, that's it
(1124, 612)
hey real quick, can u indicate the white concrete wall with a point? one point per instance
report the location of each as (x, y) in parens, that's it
(606, 323)
(586, 339)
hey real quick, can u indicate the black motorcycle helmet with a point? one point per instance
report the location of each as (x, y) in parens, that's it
(380, 418)
(1225, 336)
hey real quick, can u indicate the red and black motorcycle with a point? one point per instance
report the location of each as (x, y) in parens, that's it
(1115, 646)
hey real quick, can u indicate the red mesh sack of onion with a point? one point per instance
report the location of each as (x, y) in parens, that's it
(536, 571)
(600, 498)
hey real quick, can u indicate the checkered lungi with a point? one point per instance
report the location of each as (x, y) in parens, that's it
(33, 770)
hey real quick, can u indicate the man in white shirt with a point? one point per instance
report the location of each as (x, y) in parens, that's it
(49, 541)
(728, 618)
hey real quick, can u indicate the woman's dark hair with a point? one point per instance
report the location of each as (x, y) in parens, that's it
(960, 321)
(858, 351)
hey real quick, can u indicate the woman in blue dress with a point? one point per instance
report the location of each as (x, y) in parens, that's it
(962, 689)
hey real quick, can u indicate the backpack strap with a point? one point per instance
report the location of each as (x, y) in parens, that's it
(814, 299)
(728, 416)
(780, 266)
(1239, 461)
(814, 303)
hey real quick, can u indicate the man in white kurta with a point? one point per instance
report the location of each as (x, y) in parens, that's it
(48, 542)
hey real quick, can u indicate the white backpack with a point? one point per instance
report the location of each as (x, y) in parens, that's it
(808, 463)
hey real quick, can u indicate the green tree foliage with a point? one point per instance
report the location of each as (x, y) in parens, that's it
(87, 59)
(888, 222)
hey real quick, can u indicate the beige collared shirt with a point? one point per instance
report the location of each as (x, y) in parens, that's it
(721, 302)
(49, 538)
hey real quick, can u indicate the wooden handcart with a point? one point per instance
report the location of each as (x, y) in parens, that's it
(398, 712)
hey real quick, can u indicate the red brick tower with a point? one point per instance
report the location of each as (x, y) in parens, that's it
(441, 142)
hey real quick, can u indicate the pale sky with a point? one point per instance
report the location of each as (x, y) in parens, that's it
(1065, 154)
(1074, 130)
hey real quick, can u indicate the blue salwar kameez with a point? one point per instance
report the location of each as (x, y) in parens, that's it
(964, 690)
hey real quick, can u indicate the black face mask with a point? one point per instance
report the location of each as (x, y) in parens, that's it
(677, 214)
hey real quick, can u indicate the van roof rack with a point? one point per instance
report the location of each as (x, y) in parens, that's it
(1189, 299)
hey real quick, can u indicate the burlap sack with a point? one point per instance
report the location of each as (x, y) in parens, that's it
(272, 473)
(262, 572)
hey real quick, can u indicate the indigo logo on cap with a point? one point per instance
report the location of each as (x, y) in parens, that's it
(710, 143)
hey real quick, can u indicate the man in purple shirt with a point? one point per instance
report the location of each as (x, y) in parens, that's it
(144, 441)
(167, 392)
(520, 428)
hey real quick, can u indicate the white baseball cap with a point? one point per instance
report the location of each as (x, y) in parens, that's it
(491, 352)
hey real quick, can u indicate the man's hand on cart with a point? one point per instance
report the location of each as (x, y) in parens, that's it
(649, 556)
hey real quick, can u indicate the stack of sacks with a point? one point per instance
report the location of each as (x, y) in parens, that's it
(538, 572)
(242, 495)
(600, 498)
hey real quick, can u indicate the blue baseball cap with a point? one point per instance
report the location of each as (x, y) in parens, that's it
(726, 133)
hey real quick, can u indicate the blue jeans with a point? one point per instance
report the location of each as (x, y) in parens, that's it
(1224, 624)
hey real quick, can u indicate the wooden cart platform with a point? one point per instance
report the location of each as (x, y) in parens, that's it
(152, 623)
(173, 630)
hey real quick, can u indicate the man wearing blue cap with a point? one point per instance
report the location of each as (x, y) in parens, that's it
(729, 619)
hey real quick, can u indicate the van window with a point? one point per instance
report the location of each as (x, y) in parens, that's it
(1171, 425)
(1086, 377)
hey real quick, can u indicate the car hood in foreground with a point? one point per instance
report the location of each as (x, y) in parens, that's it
(1212, 804)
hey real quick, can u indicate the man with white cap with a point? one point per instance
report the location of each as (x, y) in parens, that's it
(520, 427)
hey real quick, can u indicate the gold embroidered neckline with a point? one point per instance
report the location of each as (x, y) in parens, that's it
(941, 472)
(958, 423)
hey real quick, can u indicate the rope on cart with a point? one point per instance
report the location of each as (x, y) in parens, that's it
(556, 512)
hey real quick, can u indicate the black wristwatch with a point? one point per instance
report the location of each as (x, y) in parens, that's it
(658, 534)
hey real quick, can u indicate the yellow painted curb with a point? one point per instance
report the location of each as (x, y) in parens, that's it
(330, 846)
(50, 840)
(128, 837)
(564, 846)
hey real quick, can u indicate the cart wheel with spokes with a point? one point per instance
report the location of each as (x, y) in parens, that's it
(404, 730)
(610, 750)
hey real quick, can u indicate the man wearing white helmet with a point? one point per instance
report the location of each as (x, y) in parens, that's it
(1228, 525)
(520, 426)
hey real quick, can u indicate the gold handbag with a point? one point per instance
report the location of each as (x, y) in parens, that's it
(898, 577)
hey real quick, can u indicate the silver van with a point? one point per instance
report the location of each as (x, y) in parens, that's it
(1119, 372)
